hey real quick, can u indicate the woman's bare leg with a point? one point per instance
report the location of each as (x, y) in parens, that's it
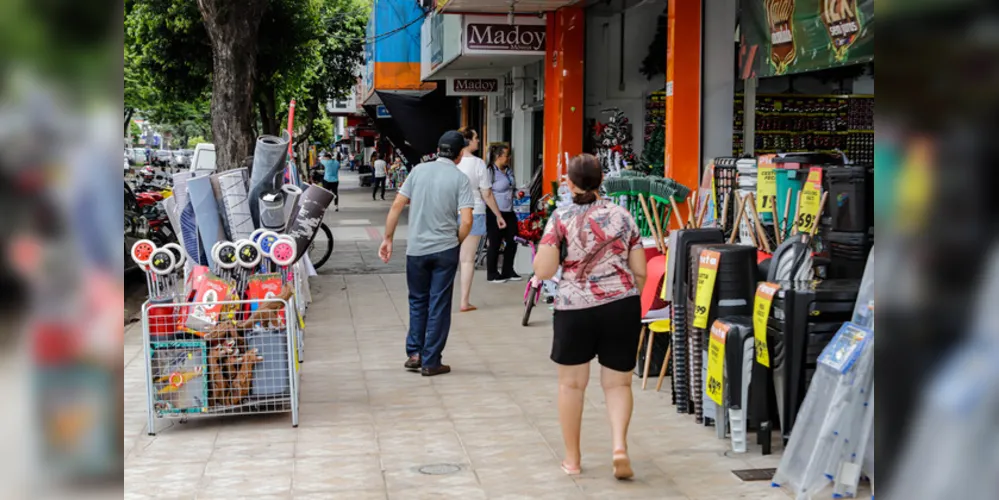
(617, 393)
(572, 382)
(468, 249)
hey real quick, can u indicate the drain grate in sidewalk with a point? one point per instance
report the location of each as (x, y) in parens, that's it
(747, 475)
(439, 469)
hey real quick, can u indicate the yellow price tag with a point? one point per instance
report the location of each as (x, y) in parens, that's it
(707, 271)
(810, 203)
(761, 314)
(714, 387)
(766, 184)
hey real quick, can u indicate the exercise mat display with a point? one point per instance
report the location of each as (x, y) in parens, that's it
(230, 190)
(291, 195)
(308, 215)
(206, 212)
(269, 158)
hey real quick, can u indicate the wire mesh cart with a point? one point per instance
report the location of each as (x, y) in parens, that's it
(217, 358)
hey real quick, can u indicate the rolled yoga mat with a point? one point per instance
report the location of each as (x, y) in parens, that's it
(230, 191)
(308, 215)
(291, 195)
(268, 171)
(206, 212)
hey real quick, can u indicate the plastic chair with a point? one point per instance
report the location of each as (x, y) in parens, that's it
(663, 326)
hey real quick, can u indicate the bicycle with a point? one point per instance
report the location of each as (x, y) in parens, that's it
(536, 288)
(322, 246)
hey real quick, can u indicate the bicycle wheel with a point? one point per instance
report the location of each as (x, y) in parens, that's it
(322, 246)
(532, 299)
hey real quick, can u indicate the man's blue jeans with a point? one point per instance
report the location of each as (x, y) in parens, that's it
(431, 289)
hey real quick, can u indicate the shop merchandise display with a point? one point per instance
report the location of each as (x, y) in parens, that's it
(817, 123)
(223, 326)
(614, 139)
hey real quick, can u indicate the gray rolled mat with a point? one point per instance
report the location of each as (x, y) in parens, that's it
(206, 212)
(230, 190)
(268, 170)
(291, 195)
(308, 215)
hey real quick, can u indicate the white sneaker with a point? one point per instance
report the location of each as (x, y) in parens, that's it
(497, 280)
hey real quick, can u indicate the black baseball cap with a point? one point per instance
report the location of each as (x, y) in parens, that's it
(451, 144)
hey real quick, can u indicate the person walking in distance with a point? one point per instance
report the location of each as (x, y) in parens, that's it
(331, 177)
(435, 192)
(503, 187)
(478, 175)
(379, 176)
(598, 310)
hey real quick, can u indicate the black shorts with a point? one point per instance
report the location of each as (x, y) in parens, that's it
(608, 332)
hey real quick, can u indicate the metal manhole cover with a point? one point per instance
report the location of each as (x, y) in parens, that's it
(439, 469)
(755, 474)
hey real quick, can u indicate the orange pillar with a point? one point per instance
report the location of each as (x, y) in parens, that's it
(683, 94)
(566, 41)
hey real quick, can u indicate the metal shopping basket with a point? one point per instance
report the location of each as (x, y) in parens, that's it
(221, 358)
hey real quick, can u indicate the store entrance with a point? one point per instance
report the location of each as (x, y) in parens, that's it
(537, 140)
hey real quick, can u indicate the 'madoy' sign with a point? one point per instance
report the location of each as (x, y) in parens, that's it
(473, 86)
(504, 37)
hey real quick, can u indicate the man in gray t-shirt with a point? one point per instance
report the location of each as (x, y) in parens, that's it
(435, 191)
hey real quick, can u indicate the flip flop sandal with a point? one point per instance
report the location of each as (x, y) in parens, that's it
(469, 309)
(569, 471)
(622, 467)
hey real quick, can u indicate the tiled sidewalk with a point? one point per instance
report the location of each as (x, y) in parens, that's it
(367, 425)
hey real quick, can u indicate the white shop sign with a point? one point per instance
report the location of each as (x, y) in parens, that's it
(493, 35)
(474, 86)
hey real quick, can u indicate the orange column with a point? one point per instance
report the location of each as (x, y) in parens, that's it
(683, 94)
(564, 77)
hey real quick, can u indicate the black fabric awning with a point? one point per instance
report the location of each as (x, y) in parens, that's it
(390, 130)
(421, 120)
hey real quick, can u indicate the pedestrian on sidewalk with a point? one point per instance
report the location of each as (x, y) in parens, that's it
(435, 192)
(503, 187)
(478, 175)
(379, 176)
(598, 310)
(331, 177)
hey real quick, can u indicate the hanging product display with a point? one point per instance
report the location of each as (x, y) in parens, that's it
(614, 138)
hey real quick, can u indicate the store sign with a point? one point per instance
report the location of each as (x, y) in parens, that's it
(474, 86)
(382, 112)
(794, 36)
(526, 36)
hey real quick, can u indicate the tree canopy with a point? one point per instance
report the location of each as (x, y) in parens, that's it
(306, 50)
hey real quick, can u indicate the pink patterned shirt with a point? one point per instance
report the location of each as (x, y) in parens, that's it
(597, 238)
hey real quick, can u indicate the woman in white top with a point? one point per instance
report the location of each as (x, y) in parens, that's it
(473, 167)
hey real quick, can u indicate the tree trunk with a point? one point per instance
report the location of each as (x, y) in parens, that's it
(268, 111)
(233, 29)
(310, 118)
(128, 119)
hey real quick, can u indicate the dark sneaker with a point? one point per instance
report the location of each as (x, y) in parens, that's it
(437, 370)
(496, 280)
(513, 277)
(413, 363)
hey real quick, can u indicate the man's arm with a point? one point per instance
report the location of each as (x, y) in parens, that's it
(466, 224)
(391, 222)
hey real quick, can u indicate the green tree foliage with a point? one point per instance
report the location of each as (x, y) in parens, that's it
(306, 50)
(653, 159)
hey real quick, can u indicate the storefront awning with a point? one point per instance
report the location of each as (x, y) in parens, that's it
(417, 122)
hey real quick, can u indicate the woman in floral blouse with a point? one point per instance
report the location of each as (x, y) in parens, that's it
(598, 307)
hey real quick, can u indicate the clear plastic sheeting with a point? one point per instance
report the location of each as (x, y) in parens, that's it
(831, 420)
(863, 312)
(953, 448)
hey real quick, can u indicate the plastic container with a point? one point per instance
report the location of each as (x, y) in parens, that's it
(850, 204)
(270, 376)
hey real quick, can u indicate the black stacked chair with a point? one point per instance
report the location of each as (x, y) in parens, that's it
(803, 319)
(680, 254)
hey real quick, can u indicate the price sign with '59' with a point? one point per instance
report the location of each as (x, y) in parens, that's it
(811, 202)
(707, 271)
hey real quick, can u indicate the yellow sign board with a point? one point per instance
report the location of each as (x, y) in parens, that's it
(707, 271)
(811, 202)
(761, 313)
(766, 184)
(714, 387)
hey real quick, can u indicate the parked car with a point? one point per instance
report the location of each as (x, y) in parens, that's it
(182, 157)
(203, 160)
(136, 156)
(162, 158)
